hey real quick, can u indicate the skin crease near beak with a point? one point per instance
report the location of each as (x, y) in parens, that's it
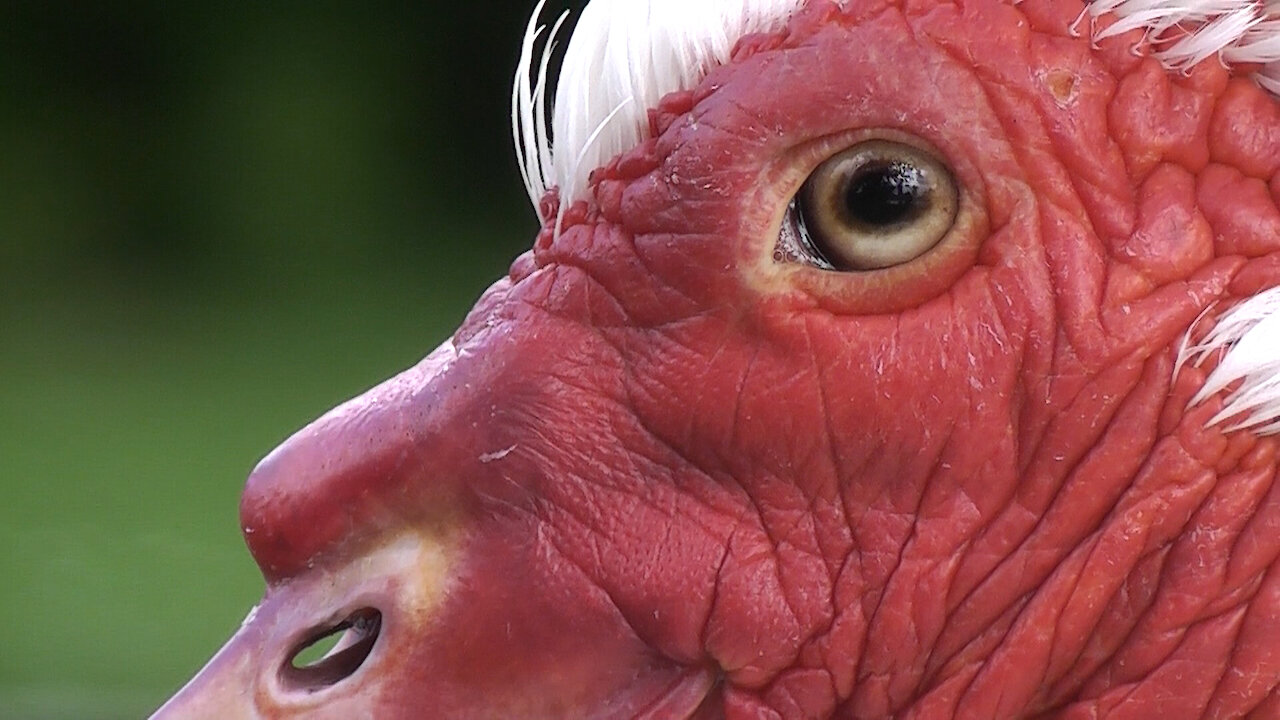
(696, 457)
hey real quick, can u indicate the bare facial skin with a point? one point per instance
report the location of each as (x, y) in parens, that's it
(664, 470)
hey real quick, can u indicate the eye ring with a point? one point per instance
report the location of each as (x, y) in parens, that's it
(872, 206)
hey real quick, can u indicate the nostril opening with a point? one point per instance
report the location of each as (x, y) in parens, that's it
(332, 654)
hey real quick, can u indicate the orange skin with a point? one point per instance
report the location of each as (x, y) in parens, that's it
(658, 473)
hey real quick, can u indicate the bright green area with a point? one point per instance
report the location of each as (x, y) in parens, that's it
(125, 438)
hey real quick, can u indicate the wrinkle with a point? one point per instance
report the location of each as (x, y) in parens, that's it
(1022, 554)
(1028, 555)
(545, 540)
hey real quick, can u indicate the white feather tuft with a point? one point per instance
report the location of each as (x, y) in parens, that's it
(625, 55)
(529, 107)
(1237, 31)
(1269, 78)
(1248, 338)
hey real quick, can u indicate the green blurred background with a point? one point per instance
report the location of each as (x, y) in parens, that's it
(216, 222)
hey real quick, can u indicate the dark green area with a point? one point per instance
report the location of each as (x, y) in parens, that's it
(216, 221)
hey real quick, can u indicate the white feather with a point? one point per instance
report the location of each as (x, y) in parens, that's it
(633, 53)
(625, 55)
(1216, 37)
(1248, 339)
(529, 107)
(1156, 16)
(1237, 31)
(1269, 78)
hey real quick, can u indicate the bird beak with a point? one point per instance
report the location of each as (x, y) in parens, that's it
(225, 688)
(377, 604)
(405, 521)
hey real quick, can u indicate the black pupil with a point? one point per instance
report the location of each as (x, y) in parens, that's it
(886, 193)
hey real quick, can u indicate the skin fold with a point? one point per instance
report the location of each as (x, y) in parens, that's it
(658, 473)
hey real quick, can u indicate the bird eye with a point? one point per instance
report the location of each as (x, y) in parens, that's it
(873, 206)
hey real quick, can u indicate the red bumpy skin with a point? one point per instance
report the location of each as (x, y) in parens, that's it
(658, 473)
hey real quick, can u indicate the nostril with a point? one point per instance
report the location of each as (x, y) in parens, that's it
(332, 654)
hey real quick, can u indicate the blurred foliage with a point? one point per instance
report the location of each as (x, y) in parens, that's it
(216, 221)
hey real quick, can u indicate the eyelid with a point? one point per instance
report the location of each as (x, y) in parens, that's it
(770, 241)
(802, 160)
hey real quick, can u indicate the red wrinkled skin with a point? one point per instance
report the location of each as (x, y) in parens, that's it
(671, 477)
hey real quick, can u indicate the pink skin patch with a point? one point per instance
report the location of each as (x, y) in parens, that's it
(660, 474)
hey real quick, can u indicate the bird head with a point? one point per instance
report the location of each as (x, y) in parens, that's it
(874, 359)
